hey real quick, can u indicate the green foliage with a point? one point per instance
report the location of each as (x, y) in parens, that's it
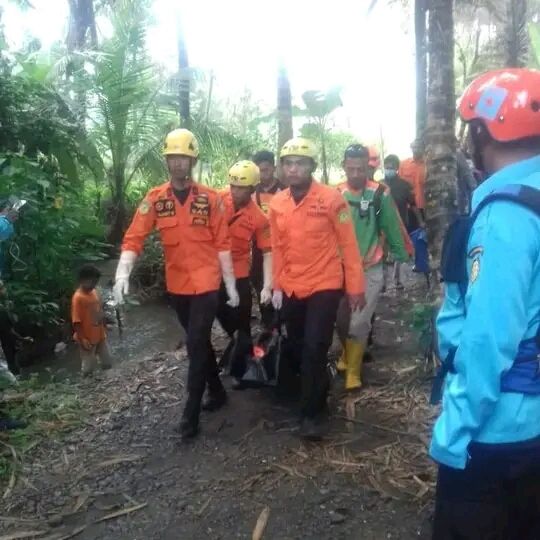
(421, 316)
(233, 130)
(128, 121)
(35, 118)
(318, 108)
(81, 140)
(321, 104)
(50, 410)
(336, 143)
(57, 230)
(534, 34)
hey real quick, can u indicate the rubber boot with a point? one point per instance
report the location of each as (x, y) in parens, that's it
(354, 359)
(341, 365)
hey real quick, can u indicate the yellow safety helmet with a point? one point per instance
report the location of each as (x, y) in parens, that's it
(299, 146)
(244, 174)
(181, 142)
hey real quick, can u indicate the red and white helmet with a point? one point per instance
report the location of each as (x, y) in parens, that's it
(507, 101)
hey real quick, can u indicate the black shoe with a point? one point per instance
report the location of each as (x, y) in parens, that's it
(214, 401)
(312, 429)
(238, 384)
(7, 424)
(188, 430)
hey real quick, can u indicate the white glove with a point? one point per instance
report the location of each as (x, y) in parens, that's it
(277, 299)
(266, 293)
(123, 271)
(227, 271)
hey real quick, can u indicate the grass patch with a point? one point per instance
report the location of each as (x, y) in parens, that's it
(50, 409)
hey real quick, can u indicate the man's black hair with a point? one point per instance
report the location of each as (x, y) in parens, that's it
(481, 135)
(393, 160)
(89, 271)
(264, 156)
(356, 151)
(4, 204)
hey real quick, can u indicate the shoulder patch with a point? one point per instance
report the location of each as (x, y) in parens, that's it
(475, 270)
(344, 216)
(144, 207)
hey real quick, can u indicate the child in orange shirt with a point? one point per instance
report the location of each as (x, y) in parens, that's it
(88, 322)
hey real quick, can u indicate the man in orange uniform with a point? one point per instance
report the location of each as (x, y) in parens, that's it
(197, 249)
(413, 170)
(264, 193)
(247, 224)
(314, 251)
(374, 163)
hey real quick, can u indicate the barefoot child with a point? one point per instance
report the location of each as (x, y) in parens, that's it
(88, 322)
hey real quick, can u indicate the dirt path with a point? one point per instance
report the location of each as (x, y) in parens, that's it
(370, 479)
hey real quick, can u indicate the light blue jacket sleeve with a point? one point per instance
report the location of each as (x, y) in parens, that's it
(6, 229)
(449, 320)
(503, 252)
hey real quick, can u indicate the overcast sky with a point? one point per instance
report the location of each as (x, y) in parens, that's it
(323, 44)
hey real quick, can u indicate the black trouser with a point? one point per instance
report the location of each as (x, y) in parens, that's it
(8, 341)
(497, 497)
(236, 319)
(310, 326)
(196, 314)
(233, 319)
(257, 281)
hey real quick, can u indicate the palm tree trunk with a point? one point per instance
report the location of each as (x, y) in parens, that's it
(184, 80)
(116, 230)
(440, 129)
(324, 159)
(82, 24)
(284, 107)
(81, 34)
(421, 66)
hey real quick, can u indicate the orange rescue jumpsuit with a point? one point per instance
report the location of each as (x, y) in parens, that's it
(414, 172)
(315, 255)
(192, 234)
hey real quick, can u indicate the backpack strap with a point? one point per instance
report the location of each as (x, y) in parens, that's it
(377, 198)
(376, 201)
(526, 196)
(454, 266)
(454, 251)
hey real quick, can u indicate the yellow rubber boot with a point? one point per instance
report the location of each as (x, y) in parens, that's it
(354, 355)
(341, 365)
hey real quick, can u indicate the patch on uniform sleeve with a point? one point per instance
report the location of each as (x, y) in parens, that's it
(344, 216)
(144, 207)
(475, 270)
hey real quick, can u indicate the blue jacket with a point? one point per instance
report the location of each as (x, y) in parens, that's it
(501, 308)
(6, 232)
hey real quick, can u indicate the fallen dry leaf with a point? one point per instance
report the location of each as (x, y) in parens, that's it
(260, 526)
